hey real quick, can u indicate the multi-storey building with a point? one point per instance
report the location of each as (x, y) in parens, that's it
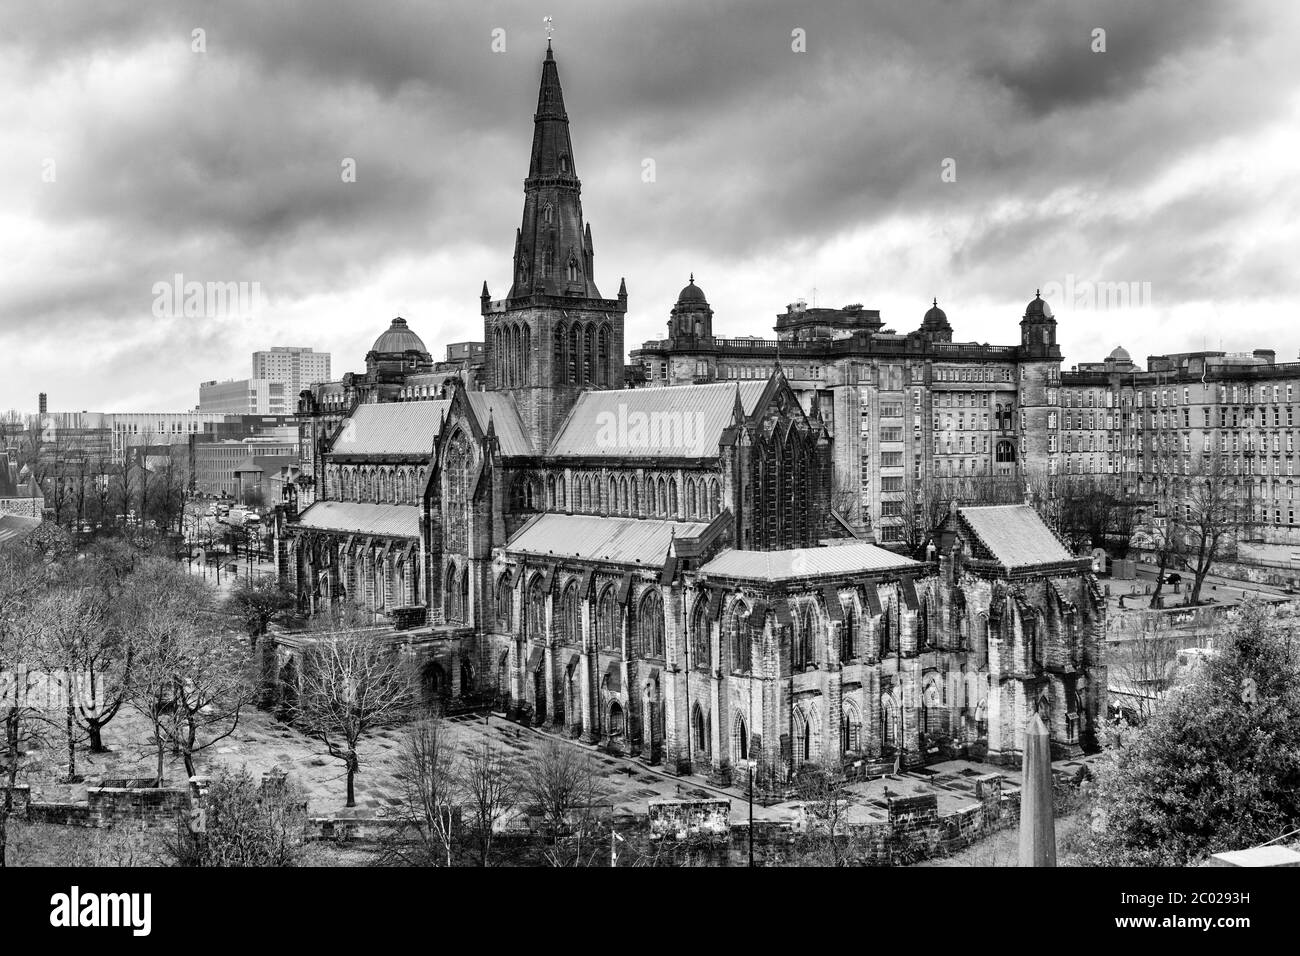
(297, 367)
(246, 396)
(901, 407)
(1153, 430)
(157, 428)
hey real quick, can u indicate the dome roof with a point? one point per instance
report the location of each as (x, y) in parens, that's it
(1037, 308)
(692, 294)
(398, 338)
(1120, 355)
(935, 317)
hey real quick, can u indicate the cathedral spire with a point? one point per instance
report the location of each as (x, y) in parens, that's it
(553, 254)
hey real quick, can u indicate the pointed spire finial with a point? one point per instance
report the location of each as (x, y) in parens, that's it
(1038, 293)
(692, 278)
(550, 31)
(936, 301)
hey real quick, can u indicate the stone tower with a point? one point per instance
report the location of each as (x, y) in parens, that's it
(1039, 390)
(553, 335)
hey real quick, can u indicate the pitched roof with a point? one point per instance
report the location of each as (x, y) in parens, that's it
(500, 410)
(1014, 535)
(670, 421)
(391, 428)
(807, 562)
(16, 527)
(618, 540)
(358, 517)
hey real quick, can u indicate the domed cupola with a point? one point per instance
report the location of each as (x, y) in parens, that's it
(691, 317)
(935, 324)
(1038, 330)
(397, 352)
(398, 338)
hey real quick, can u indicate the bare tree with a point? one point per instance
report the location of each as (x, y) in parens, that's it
(560, 781)
(1211, 514)
(66, 622)
(189, 679)
(822, 789)
(491, 791)
(1140, 670)
(350, 686)
(427, 767)
(22, 579)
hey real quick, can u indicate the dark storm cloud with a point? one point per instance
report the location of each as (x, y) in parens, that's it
(225, 165)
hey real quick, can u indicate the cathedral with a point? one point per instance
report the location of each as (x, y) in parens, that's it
(661, 571)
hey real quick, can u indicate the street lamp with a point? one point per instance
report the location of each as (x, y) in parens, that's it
(750, 764)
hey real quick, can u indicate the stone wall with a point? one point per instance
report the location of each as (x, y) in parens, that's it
(915, 829)
(679, 819)
(145, 808)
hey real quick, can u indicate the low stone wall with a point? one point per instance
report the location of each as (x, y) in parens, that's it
(680, 819)
(148, 808)
(915, 829)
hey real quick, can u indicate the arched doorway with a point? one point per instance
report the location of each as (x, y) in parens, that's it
(435, 686)
(615, 723)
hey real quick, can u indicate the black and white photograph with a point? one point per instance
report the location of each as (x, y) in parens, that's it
(850, 434)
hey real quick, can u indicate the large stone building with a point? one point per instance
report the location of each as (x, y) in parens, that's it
(665, 570)
(902, 408)
(1154, 430)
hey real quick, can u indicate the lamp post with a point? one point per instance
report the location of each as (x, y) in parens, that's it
(749, 768)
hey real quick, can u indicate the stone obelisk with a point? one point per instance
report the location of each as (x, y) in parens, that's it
(1037, 826)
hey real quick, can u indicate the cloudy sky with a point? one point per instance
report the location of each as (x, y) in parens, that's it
(1169, 162)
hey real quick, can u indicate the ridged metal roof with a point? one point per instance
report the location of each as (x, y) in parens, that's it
(589, 537)
(392, 428)
(671, 421)
(500, 409)
(359, 517)
(1015, 535)
(806, 562)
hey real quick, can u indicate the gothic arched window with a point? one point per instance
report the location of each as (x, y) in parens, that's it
(805, 651)
(456, 465)
(701, 650)
(604, 371)
(505, 601)
(607, 620)
(570, 615)
(740, 631)
(849, 632)
(536, 609)
(558, 343)
(650, 625)
(586, 356)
